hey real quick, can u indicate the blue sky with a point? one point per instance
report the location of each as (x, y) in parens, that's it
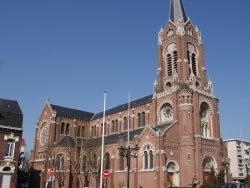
(73, 51)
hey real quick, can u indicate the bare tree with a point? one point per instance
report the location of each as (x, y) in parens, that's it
(84, 160)
(55, 160)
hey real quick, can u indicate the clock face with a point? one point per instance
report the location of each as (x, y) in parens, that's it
(44, 134)
(166, 112)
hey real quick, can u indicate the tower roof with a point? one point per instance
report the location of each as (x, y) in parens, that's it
(177, 11)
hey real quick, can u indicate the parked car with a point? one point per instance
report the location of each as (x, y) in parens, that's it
(233, 185)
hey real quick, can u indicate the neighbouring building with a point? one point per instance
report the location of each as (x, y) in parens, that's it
(239, 155)
(178, 125)
(11, 123)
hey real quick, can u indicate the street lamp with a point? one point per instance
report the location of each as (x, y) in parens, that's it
(126, 152)
(225, 163)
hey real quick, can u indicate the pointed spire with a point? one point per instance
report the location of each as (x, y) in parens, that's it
(177, 11)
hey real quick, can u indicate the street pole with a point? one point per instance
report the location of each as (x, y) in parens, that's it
(126, 152)
(246, 170)
(128, 165)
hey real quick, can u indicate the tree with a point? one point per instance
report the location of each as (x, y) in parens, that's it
(23, 171)
(75, 155)
(247, 179)
(84, 160)
(211, 182)
(221, 176)
(56, 161)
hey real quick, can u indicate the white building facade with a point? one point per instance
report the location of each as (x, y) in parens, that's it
(239, 153)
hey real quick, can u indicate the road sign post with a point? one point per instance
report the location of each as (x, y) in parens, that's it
(105, 173)
(52, 171)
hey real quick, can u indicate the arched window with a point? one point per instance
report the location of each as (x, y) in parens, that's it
(194, 67)
(83, 131)
(112, 126)
(171, 61)
(62, 128)
(121, 162)
(138, 120)
(102, 129)
(192, 62)
(84, 160)
(145, 159)
(175, 59)
(116, 125)
(204, 116)
(148, 157)
(92, 131)
(60, 162)
(105, 129)
(67, 129)
(78, 131)
(143, 119)
(169, 65)
(95, 131)
(151, 162)
(125, 123)
(107, 161)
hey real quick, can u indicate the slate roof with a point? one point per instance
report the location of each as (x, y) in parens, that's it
(10, 114)
(66, 141)
(73, 113)
(162, 127)
(122, 107)
(113, 138)
(177, 11)
(69, 141)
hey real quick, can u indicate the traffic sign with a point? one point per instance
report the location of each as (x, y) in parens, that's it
(52, 171)
(105, 173)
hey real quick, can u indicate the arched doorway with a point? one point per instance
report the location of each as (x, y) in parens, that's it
(173, 175)
(207, 164)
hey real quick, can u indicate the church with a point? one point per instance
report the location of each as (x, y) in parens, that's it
(176, 129)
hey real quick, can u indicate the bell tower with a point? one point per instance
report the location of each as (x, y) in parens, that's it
(184, 96)
(180, 51)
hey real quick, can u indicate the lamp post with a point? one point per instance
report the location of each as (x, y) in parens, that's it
(126, 152)
(225, 163)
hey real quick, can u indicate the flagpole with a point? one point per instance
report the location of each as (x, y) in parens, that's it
(128, 117)
(128, 159)
(103, 125)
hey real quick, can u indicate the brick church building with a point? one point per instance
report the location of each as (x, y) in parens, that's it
(178, 125)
